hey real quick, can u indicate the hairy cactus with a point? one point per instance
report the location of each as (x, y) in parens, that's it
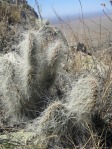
(27, 74)
(69, 121)
(44, 81)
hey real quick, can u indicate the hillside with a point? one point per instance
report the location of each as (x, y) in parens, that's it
(13, 20)
(53, 94)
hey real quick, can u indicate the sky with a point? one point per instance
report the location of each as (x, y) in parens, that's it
(70, 7)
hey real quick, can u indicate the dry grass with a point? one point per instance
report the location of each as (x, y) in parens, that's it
(46, 67)
(3, 29)
(9, 13)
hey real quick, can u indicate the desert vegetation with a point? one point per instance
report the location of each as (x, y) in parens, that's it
(53, 94)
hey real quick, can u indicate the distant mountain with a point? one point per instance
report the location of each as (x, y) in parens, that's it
(75, 17)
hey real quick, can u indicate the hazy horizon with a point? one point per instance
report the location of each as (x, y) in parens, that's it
(76, 17)
(66, 8)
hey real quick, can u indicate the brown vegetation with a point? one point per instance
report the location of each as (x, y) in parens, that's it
(53, 94)
(10, 14)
